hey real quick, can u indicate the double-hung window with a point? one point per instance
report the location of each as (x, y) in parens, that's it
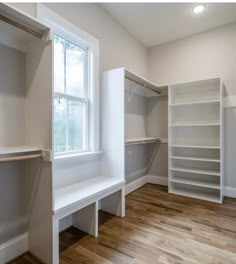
(71, 96)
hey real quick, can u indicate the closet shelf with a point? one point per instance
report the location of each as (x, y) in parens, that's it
(195, 158)
(19, 153)
(197, 183)
(195, 170)
(195, 124)
(197, 102)
(195, 146)
(22, 22)
(198, 194)
(140, 141)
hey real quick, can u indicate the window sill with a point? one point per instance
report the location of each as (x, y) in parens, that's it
(85, 156)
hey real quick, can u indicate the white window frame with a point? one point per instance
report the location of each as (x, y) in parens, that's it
(63, 28)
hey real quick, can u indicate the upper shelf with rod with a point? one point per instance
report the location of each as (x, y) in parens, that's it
(153, 88)
(21, 27)
(20, 153)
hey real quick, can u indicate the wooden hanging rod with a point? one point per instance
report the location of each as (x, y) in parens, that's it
(21, 26)
(23, 157)
(143, 84)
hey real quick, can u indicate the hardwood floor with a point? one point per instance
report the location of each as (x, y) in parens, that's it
(159, 228)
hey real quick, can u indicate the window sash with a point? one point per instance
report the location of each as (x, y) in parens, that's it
(82, 99)
(85, 126)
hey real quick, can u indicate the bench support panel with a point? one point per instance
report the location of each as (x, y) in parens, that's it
(114, 203)
(86, 219)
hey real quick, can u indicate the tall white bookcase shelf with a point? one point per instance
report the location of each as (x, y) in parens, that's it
(196, 139)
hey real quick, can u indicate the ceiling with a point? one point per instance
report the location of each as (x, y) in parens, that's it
(157, 23)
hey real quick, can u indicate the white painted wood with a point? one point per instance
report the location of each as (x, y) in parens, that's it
(55, 239)
(25, 19)
(39, 89)
(195, 158)
(65, 223)
(143, 140)
(13, 248)
(159, 180)
(196, 125)
(229, 101)
(229, 191)
(198, 193)
(196, 139)
(196, 103)
(198, 171)
(143, 81)
(197, 183)
(195, 146)
(86, 219)
(18, 150)
(113, 123)
(87, 190)
(14, 37)
(134, 185)
(114, 203)
(40, 210)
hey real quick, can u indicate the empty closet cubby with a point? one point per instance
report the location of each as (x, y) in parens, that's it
(196, 139)
(139, 109)
(25, 133)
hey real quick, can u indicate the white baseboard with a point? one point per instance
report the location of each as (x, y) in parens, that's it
(13, 248)
(229, 191)
(136, 174)
(161, 180)
(134, 185)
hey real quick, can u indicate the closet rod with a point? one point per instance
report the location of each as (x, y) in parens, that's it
(23, 157)
(21, 26)
(143, 84)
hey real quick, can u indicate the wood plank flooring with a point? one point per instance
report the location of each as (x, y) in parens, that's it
(159, 228)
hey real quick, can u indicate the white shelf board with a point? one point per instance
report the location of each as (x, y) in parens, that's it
(142, 140)
(18, 150)
(195, 146)
(197, 194)
(26, 20)
(197, 183)
(197, 102)
(194, 170)
(195, 158)
(144, 82)
(195, 124)
(68, 196)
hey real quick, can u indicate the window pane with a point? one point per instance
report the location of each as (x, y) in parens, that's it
(59, 64)
(76, 125)
(75, 58)
(60, 115)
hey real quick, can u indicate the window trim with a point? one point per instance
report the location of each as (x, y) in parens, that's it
(70, 32)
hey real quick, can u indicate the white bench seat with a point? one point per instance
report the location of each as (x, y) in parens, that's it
(86, 191)
(83, 200)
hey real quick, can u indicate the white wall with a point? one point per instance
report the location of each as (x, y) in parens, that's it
(117, 47)
(204, 55)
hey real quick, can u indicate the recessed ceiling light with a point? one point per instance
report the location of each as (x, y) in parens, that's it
(197, 9)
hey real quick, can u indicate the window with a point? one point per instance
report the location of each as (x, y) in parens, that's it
(71, 97)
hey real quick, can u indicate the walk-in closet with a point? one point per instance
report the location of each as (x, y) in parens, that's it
(116, 136)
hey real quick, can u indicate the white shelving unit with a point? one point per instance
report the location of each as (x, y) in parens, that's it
(196, 139)
(26, 132)
(129, 135)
